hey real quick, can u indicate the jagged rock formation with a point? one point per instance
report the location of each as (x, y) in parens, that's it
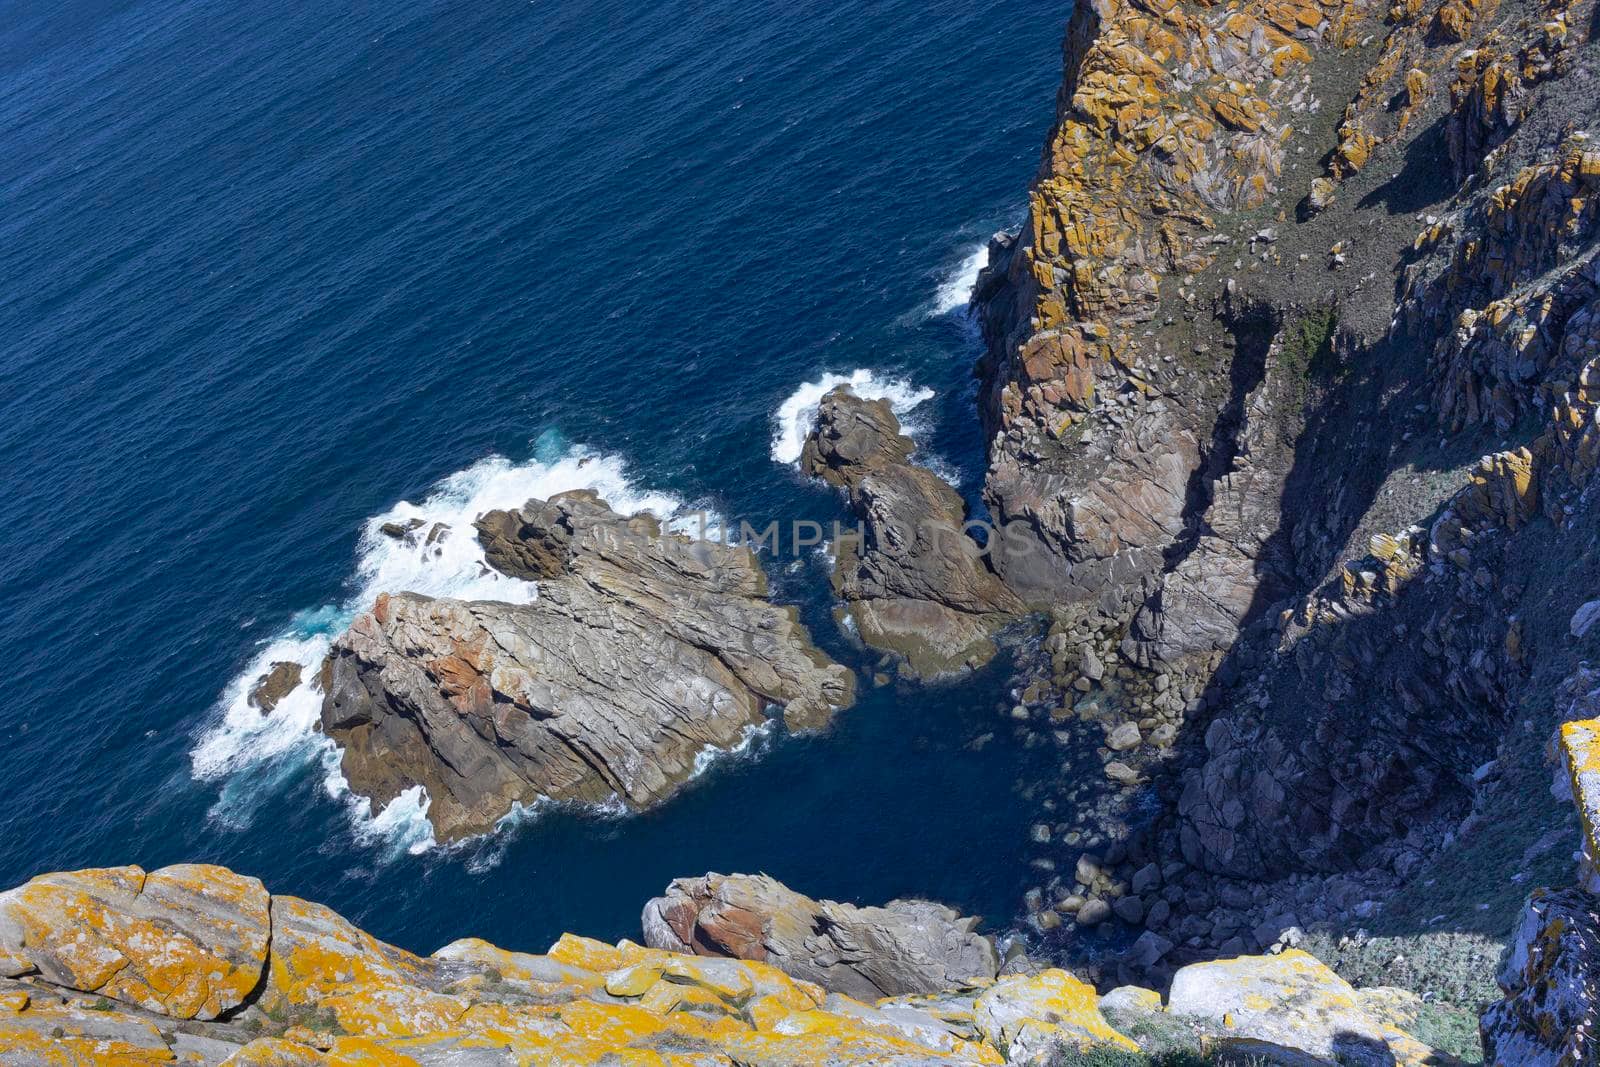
(913, 582)
(906, 946)
(198, 965)
(643, 650)
(1550, 1016)
(1291, 376)
(1551, 977)
(1169, 114)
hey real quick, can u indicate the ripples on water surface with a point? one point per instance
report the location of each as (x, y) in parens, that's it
(271, 271)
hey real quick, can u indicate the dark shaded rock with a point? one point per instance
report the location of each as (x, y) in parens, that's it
(1551, 978)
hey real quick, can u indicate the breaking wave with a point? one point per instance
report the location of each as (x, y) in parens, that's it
(798, 412)
(955, 292)
(430, 548)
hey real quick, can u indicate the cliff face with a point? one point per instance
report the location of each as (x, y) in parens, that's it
(1290, 384)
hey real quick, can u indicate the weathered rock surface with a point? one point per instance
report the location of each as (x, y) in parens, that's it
(1169, 115)
(189, 942)
(1292, 1001)
(1243, 425)
(1551, 978)
(643, 650)
(1550, 1016)
(331, 994)
(906, 946)
(913, 582)
(1027, 1017)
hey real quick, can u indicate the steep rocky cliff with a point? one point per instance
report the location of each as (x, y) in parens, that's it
(1292, 405)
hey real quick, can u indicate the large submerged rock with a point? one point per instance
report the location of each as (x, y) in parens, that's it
(906, 946)
(643, 650)
(913, 582)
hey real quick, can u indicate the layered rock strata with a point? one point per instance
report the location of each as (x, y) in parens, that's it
(643, 650)
(906, 946)
(198, 965)
(1290, 375)
(913, 581)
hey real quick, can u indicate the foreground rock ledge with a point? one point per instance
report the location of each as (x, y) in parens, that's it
(643, 651)
(198, 965)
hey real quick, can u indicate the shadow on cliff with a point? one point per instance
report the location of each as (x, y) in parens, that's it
(1424, 179)
(1372, 761)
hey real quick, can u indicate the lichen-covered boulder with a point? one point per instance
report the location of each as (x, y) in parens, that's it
(47, 1030)
(1551, 977)
(188, 942)
(1294, 1001)
(1028, 1016)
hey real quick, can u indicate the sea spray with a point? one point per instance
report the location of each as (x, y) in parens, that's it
(955, 292)
(798, 412)
(253, 754)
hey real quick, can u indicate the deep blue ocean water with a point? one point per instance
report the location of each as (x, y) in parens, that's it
(268, 271)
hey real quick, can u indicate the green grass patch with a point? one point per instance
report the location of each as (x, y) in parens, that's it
(1449, 1029)
(1306, 350)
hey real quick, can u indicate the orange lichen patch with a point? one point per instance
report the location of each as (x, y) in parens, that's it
(277, 1052)
(187, 941)
(362, 1052)
(1457, 17)
(586, 954)
(1176, 112)
(318, 958)
(53, 1034)
(818, 1037)
(1023, 1014)
(1580, 742)
(535, 975)
(1502, 488)
(664, 998)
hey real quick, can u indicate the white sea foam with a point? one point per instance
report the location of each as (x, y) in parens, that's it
(251, 752)
(754, 734)
(955, 292)
(798, 413)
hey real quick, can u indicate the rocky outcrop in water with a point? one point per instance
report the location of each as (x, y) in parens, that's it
(643, 650)
(913, 581)
(906, 946)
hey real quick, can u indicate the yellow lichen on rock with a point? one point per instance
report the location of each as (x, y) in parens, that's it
(187, 941)
(1025, 1015)
(1580, 745)
(1294, 1001)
